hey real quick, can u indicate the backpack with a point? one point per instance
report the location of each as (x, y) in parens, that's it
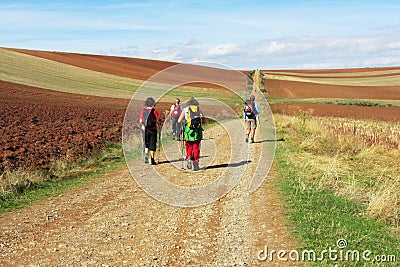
(248, 109)
(193, 134)
(194, 118)
(177, 111)
(149, 117)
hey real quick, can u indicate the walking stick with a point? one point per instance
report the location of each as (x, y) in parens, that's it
(159, 145)
(183, 144)
(143, 144)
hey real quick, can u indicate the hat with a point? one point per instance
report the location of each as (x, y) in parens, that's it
(252, 98)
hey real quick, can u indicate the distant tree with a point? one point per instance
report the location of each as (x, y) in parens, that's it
(256, 78)
(262, 82)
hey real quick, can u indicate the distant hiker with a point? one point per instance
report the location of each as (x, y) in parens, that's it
(176, 111)
(250, 112)
(148, 119)
(193, 133)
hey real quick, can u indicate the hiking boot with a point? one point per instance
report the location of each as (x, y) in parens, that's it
(189, 164)
(153, 162)
(247, 138)
(196, 165)
(252, 140)
(146, 158)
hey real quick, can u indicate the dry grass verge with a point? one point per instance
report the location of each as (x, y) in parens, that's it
(358, 160)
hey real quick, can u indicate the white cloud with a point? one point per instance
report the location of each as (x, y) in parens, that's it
(190, 42)
(395, 45)
(383, 61)
(302, 52)
(273, 47)
(223, 50)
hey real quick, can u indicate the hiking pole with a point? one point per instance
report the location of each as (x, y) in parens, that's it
(181, 151)
(143, 144)
(183, 144)
(159, 145)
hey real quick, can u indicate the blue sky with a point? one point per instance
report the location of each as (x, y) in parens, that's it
(260, 35)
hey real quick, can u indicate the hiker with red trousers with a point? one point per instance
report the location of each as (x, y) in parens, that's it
(193, 132)
(148, 119)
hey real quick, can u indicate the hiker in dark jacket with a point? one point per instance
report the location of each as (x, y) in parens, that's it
(149, 119)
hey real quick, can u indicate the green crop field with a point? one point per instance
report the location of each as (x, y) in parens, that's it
(47, 74)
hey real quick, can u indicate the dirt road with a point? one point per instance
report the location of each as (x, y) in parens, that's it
(113, 222)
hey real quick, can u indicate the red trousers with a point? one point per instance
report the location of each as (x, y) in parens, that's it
(193, 149)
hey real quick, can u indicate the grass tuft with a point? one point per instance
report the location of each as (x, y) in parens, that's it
(22, 187)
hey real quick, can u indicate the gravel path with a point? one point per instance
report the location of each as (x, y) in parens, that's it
(113, 222)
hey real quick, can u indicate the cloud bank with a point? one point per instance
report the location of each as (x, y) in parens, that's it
(299, 52)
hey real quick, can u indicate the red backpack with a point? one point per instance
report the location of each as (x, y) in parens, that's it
(176, 112)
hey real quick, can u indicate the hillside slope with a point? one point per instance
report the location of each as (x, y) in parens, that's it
(118, 77)
(135, 68)
(49, 74)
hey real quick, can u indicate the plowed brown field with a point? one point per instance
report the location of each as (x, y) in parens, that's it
(340, 111)
(40, 126)
(293, 89)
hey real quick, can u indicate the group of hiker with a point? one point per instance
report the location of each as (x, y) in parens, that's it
(187, 127)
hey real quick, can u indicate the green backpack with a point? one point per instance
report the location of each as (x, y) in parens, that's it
(193, 134)
(193, 130)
